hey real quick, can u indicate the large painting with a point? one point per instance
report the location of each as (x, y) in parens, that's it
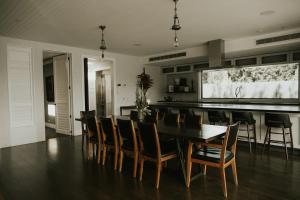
(278, 81)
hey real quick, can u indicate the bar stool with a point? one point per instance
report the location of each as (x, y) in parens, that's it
(248, 122)
(278, 121)
(217, 117)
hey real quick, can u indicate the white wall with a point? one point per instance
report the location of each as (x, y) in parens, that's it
(125, 70)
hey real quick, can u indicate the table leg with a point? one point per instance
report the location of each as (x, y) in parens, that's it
(181, 158)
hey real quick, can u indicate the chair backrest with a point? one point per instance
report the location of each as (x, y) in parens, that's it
(127, 132)
(162, 112)
(192, 121)
(171, 119)
(149, 140)
(152, 117)
(134, 115)
(243, 117)
(217, 116)
(277, 120)
(92, 128)
(108, 130)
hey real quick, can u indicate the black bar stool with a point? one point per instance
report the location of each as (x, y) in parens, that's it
(248, 124)
(278, 121)
(217, 117)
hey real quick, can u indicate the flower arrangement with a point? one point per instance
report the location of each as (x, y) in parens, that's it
(144, 83)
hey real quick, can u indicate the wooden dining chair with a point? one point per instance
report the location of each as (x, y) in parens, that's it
(110, 139)
(218, 117)
(152, 150)
(94, 138)
(172, 119)
(192, 121)
(216, 155)
(128, 143)
(151, 117)
(84, 133)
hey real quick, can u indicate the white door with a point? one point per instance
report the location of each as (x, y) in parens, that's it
(62, 93)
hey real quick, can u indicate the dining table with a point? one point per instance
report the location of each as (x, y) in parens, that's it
(204, 134)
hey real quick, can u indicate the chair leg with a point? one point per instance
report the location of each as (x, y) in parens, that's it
(188, 173)
(141, 168)
(269, 139)
(204, 169)
(135, 164)
(104, 154)
(254, 134)
(90, 146)
(82, 137)
(265, 141)
(158, 169)
(291, 138)
(121, 161)
(285, 147)
(99, 153)
(249, 140)
(116, 159)
(223, 180)
(234, 172)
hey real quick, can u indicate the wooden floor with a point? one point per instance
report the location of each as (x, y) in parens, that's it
(51, 133)
(57, 169)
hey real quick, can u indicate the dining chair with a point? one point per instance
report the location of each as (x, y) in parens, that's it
(151, 117)
(94, 138)
(192, 121)
(153, 150)
(172, 119)
(134, 115)
(278, 122)
(128, 143)
(247, 124)
(110, 139)
(216, 155)
(83, 116)
(217, 117)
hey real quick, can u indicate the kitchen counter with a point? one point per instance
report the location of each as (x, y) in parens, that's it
(230, 106)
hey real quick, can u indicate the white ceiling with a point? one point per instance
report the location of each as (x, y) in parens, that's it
(75, 22)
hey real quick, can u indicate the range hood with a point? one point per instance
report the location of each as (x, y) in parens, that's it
(216, 55)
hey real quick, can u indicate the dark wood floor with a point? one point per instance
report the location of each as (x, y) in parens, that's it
(51, 133)
(57, 169)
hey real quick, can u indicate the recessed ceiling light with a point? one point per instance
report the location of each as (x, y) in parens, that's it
(137, 44)
(267, 12)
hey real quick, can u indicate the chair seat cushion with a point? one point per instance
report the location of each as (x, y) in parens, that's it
(212, 155)
(168, 147)
(127, 144)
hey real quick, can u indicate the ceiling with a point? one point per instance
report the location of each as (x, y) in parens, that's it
(144, 22)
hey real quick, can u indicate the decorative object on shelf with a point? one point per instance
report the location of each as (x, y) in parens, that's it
(176, 25)
(144, 83)
(103, 44)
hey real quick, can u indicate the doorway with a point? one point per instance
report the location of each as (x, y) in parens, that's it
(57, 97)
(98, 86)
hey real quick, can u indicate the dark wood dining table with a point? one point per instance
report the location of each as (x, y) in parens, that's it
(204, 134)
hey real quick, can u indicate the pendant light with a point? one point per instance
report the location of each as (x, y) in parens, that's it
(176, 25)
(103, 45)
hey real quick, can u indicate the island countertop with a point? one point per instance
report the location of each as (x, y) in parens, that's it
(230, 106)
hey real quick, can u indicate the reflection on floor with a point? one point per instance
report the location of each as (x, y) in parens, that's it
(58, 169)
(51, 133)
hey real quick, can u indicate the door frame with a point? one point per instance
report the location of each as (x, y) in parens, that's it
(70, 93)
(113, 75)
